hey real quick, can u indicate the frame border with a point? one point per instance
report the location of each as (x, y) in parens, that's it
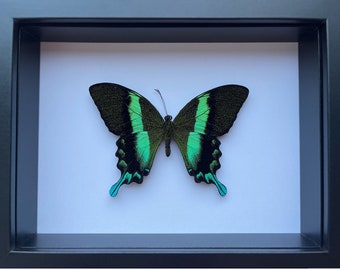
(244, 11)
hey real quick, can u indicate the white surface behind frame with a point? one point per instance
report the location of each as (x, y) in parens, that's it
(260, 161)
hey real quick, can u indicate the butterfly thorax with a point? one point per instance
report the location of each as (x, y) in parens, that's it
(168, 132)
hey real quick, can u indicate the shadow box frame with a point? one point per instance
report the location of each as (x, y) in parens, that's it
(313, 24)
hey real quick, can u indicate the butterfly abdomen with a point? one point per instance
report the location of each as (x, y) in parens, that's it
(168, 130)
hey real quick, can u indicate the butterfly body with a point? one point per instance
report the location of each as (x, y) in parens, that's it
(141, 129)
(168, 133)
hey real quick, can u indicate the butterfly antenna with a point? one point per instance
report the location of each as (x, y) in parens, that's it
(160, 94)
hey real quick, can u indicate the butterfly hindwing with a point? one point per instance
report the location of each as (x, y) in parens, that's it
(139, 125)
(197, 125)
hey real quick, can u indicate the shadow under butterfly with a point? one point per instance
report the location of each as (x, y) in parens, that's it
(141, 128)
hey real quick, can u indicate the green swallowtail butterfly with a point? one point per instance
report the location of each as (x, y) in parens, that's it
(141, 129)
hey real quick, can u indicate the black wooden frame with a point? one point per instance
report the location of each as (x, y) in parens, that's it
(313, 24)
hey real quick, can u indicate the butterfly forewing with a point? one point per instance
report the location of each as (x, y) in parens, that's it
(197, 125)
(123, 110)
(213, 112)
(139, 125)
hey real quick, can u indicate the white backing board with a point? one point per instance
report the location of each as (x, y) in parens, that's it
(260, 161)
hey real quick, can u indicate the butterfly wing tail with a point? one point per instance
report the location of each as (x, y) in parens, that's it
(220, 187)
(124, 179)
(210, 178)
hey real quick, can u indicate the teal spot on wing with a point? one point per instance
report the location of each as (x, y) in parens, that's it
(138, 176)
(121, 153)
(216, 153)
(213, 165)
(122, 164)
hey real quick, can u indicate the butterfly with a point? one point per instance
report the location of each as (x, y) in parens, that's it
(141, 129)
